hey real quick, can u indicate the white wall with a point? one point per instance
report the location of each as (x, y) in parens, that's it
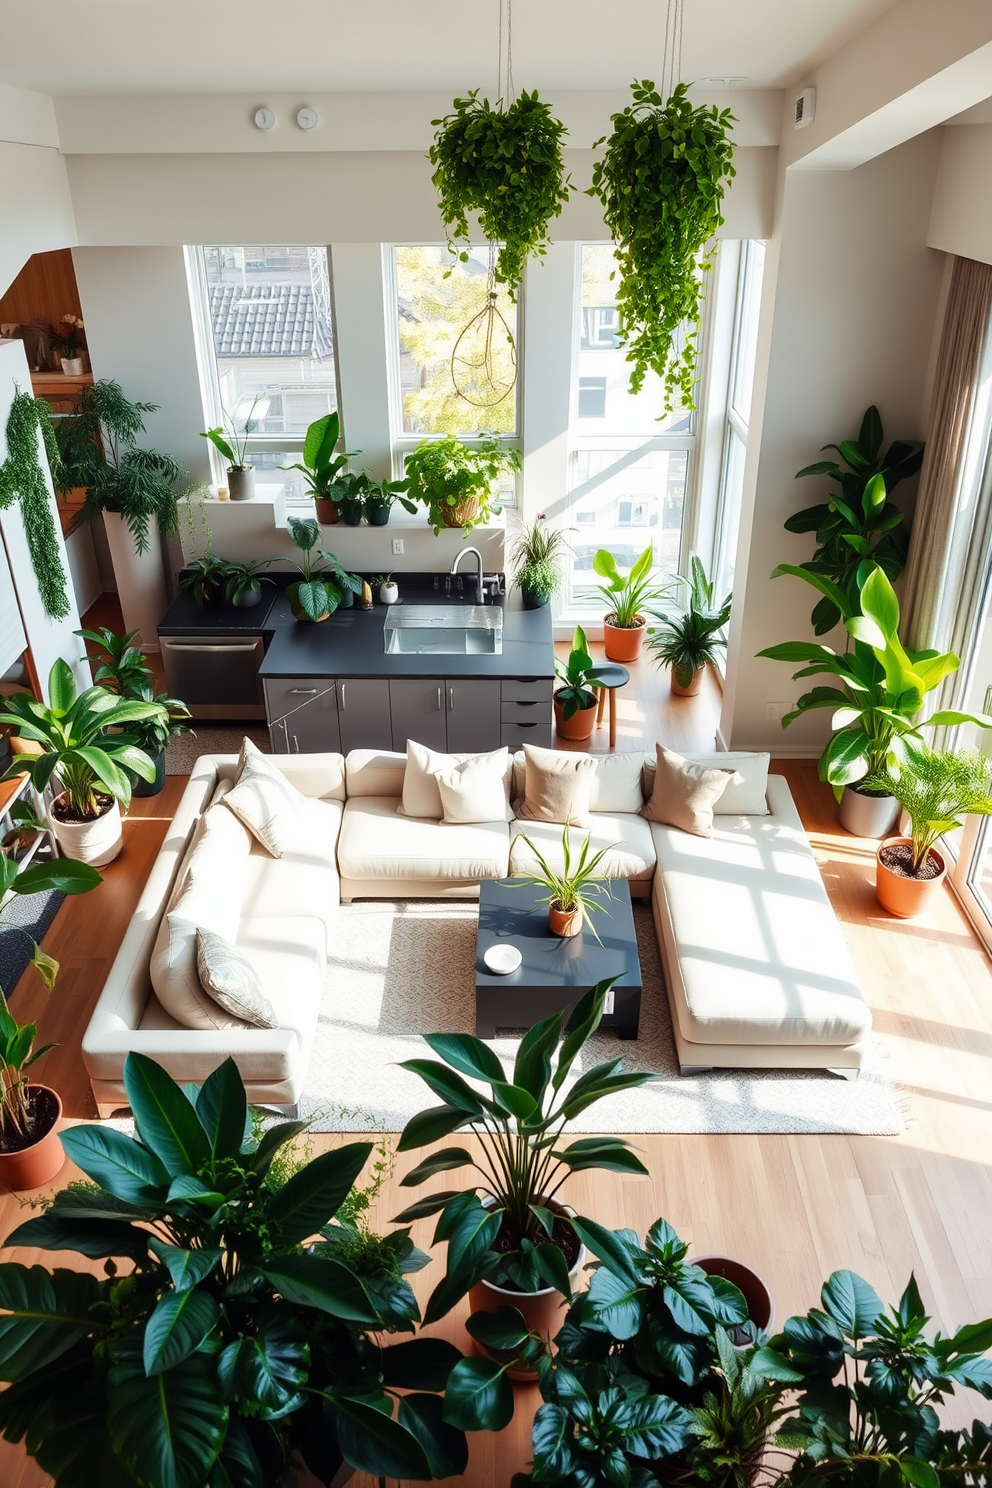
(847, 320)
(961, 220)
(36, 211)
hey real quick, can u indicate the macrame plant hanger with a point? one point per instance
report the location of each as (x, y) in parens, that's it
(671, 61)
(478, 374)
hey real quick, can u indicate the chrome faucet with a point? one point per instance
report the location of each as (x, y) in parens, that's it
(480, 588)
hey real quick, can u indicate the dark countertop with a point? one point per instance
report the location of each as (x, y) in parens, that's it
(186, 617)
(351, 643)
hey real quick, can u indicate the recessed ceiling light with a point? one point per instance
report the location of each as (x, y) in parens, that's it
(725, 80)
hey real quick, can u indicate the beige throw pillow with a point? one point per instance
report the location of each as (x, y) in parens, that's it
(421, 796)
(684, 795)
(475, 789)
(558, 786)
(265, 800)
(231, 980)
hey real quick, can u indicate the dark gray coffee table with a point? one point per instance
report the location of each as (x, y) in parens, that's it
(554, 973)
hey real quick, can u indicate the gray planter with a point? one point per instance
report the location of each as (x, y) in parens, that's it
(866, 815)
(241, 482)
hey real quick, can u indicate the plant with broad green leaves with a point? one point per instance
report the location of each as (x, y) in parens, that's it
(204, 578)
(504, 162)
(576, 692)
(937, 788)
(880, 685)
(456, 480)
(79, 742)
(321, 468)
(231, 1340)
(859, 526)
(625, 595)
(661, 182)
(322, 580)
(577, 888)
(231, 439)
(245, 576)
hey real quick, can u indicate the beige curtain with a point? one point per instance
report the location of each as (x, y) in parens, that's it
(934, 575)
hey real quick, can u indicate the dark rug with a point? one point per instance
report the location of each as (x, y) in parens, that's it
(183, 752)
(25, 918)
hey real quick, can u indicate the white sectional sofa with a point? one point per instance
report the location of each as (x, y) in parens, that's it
(757, 969)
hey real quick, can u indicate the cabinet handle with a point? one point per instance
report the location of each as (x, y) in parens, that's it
(451, 700)
(296, 745)
(440, 704)
(303, 692)
(341, 695)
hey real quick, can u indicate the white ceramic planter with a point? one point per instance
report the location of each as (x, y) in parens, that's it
(388, 593)
(140, 578)
(94, 842)
(72, 366)
(867, 816)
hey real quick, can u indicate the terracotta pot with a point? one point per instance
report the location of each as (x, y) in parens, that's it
(241, 482)
(760, 1302)
(580, 725)
(693, 687)
(905, 897)
(461, 512)
(95, 842)
(34, 1166)
(624, 643)
(542, 1311)
(867, 815)
(327, 511)
(564, 922)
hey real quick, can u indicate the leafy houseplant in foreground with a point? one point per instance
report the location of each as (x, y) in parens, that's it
(661, 184)
(858, 526)
(625, 595)
(318, 591)
(455, 481)
(576, 698)
(504, 162)
(125, 671)
(22, 478)
(687, 643)
(230, 1342)
(573, 894)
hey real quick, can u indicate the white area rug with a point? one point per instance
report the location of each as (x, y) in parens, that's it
(400, 970)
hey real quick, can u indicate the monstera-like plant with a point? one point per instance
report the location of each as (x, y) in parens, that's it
(236, 1324)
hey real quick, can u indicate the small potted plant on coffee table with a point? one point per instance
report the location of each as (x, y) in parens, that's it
(576, 699)
(625, 595)
(572, 895)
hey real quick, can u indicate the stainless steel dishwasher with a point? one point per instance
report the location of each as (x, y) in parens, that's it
(215, 675)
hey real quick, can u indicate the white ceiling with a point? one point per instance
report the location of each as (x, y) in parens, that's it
(226, 46)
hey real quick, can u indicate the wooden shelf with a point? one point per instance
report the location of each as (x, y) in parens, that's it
(58, 385)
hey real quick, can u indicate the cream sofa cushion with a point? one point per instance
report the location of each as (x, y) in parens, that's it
(421, 793)
(745, 793)
(265, 800)
(474, 790)
(616, 785)
(376, 842)
(684, 795)
(627, 837)
(374, 772)
(229, 978)
(304, 881)
(557, 786)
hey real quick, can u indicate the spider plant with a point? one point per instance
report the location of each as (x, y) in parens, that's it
(536, 557)
(577, 888)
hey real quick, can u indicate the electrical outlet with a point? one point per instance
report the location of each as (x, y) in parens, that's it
(775, 712)
(397, 547)
(608, 1002)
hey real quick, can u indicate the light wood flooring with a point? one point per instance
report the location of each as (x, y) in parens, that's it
(795, 1207)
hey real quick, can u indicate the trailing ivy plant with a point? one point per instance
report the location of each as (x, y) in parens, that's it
(503, 161)
(661, 184)
(21, 476)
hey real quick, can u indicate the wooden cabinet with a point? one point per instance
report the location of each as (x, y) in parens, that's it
(303, 715)
(454, 715)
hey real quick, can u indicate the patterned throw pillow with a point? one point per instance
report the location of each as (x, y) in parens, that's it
(231, 980)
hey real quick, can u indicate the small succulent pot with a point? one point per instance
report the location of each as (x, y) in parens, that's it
(377, 513)
(897, 891)
(624, 642)
(687, 684)
(351, 512)
(241, 482)
(867, 813)
(141, 787)
(327, 511)
(579, 726)
(564, 922)
(388, 593)
(96, 841)
(462, 512)
(760, 1302)
(38, 1161)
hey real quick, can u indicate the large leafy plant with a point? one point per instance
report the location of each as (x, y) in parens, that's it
(98, 446)
(321, 468)
(22, 478)
(936, 788)
(577, 691)
(500, 1227)
(445, 474)
(123, 669)
(230, 1340)
(81, 740)
(661, 183)
(504, 162)
(879, 685)
(625, 595)
(322, 580)
(858, 526)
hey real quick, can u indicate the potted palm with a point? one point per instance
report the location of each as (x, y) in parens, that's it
(576, 699)
(511, 1242)
(935, 788)
(251, 1335)
(573, 895)
(30, 1151)
(243, 582)
(625, 595)
(231, 439)
(317, 593)
(321, 467)
(456, 481)
(536, 557)
(79, 745)
(687, 643)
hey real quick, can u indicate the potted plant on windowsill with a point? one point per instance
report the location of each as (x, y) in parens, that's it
(576, 700)
(30, 1150)
(687, 643)
(317, 593)
(249, 1333)
(231, 440)
(456, 481)
(511, 1242)
(536, 557)
(92, 761)
(321, 468)
(573, 895)
(936, 788)
(625, 595)
(243, 582)
(379, 498)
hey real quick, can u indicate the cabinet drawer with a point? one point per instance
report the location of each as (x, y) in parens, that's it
(527, 689)
(515, 735)
(525, 712)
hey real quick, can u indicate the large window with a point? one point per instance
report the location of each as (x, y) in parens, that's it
(629, 467)
(750, 268)
(266, 343)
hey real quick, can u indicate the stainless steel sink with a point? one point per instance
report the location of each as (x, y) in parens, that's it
(444, 630)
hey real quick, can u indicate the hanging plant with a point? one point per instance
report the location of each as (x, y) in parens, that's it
(503, 161)
(661, 184)
(21, 476)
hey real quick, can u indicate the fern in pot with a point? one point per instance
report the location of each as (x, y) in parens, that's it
(456, 482)
(511, 1241)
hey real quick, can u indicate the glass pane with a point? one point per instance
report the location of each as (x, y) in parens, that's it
(980, 874)
(439, 298)
(622, 501)
(730, 510)
(601, 359)
(742, 382)
(272, 482)
(270, 314)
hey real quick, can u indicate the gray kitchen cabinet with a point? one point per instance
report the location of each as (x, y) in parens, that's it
(302, 714)
(419, 711)
(364, 718)
(473, 714)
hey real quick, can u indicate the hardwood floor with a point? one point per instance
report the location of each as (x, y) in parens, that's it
(794, 1207)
